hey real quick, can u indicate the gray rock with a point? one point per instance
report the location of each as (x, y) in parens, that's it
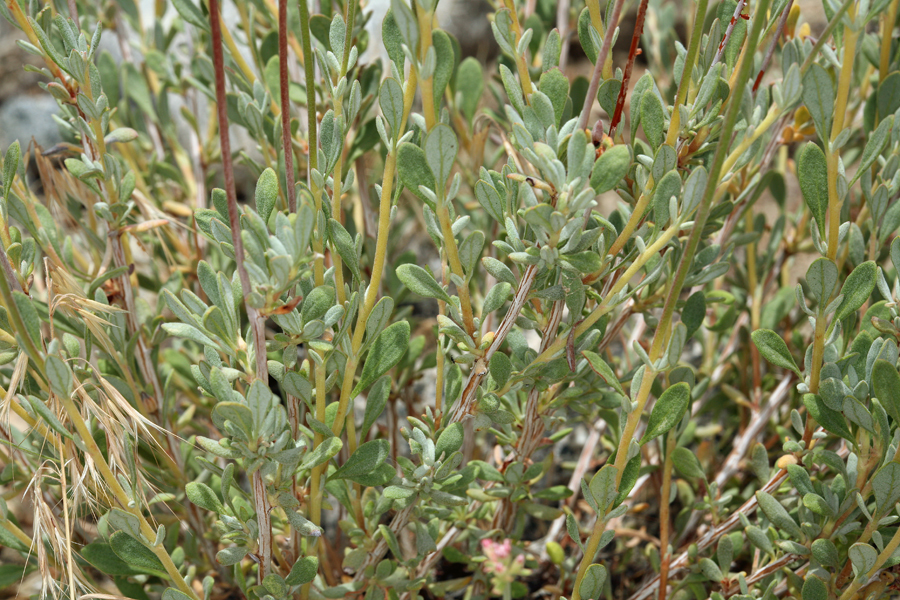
(24, 117)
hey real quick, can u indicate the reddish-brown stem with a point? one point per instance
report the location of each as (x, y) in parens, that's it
(285, 106)
(632, 54)
(234, 220)
(257, 324)
(598, 67)
(774, 42)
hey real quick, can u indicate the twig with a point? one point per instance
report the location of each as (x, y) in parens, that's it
(737, 15)
(479, 370)
(256, 322)
(598, 67)
(632, 53)
(562, 24)
(286, 137)
(771, 50)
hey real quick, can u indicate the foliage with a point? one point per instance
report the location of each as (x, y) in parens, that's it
(631, 314)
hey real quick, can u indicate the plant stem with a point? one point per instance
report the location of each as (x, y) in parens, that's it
(888, 21)
(286, 137)
(315, 486)
(590, 551)
(521, 65)
(664, 495)
(840, 111)
(384, 225)
(684, 264)
(632, 53)
(309, 66)
(605, 51)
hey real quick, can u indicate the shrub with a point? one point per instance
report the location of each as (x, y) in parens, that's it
(599, 391)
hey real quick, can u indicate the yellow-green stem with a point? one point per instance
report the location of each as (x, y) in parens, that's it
(840, 111)
(887, 36)
(384, 225)
(590, 551)
(315, 487)
(521, 65)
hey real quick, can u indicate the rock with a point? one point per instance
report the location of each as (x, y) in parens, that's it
(24, 117)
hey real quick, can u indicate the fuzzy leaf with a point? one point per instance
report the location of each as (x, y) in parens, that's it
(774, 350)
(387, 350)
(668, 411)
(886, 387)
(778, 515)
(367, 458)
(610, 168)
(136, 555)
(812, 173)
(421, 282)
(856, 289)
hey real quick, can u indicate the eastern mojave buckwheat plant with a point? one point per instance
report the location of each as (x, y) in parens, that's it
(554, 325)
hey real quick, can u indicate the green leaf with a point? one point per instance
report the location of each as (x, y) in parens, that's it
(611, 168)
(886, 485)
(584, 35)
(812, 173)
(886, 387)
(173, 594)
(828, 418)
(603, 488)
(818, 96)
(102, 557)
(421, 282)
(317, 303)
(469, 86)
(593, 582)
(441, 147)
(390, 97)
(345, 246)
(303, 571)
(778, 515)
(136, 555)
(231, 556)
(821, 276)
(367, 458)
(888, 98)
(686, 463)
(814, 589)
(500, 367)
(599, 366)
(444, 65)
(694, 312)
(266, 194)
(188, 332)
(387, 350)
(668, 411)
(191, 13)
(774, 349)
(556, 86)
(856, 289)
(653, 119)
(826, 553)
(711, 570)
(42, 410)
(323, 453)
(29, 317)
(376, 400)
(11, 164)
(668, 186)
(496, 297)
(863, 557)
(202, 495)
(876, 143)
(413, 170)
(450, 440)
